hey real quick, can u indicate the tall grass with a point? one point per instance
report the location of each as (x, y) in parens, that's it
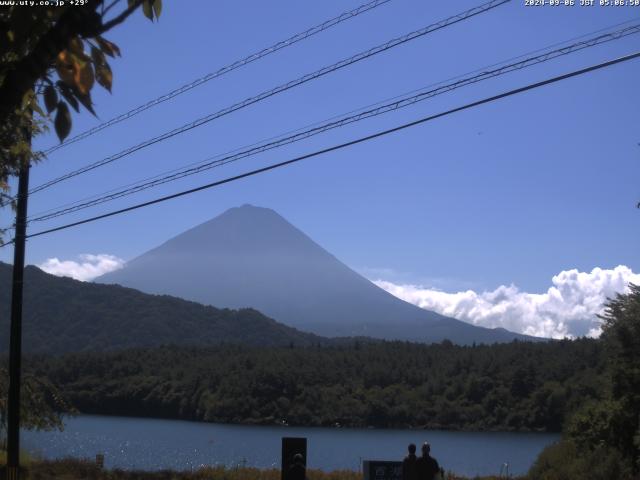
(25, 458)
(75, 469)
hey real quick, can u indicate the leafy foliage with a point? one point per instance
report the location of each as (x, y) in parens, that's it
(621, 334)
(41, 403)
(43, 56)
(602, 439)
(55, 39)
(566, 461)
(387, 384)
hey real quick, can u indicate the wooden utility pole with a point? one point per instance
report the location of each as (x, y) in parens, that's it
(15, 345)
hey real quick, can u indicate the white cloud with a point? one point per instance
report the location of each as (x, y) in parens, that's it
(403, 277)
(86, 268)
(567, 309)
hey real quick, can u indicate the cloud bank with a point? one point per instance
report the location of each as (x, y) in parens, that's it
(86, 268)
(568, 309)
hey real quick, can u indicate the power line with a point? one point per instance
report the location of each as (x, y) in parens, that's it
(342, 145)
(214, 162)
(381, 102)
(298, 37)
(281, 88)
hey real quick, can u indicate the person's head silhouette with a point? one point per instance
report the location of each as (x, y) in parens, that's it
(426, 448)
(412, 448)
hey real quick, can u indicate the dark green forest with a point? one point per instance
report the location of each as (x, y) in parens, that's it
(517, 386)
(65, 315)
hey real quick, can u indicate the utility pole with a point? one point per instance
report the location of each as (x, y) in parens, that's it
(15, 342)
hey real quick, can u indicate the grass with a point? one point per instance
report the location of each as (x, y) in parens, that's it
(25, 458)
(74, 469)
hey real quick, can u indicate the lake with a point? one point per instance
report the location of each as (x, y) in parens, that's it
(150, 444)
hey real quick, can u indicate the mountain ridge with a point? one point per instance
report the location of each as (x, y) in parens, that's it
(66, 315)
(252, 257)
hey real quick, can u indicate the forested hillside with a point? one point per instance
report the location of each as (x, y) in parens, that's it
(65, 315)
(517, 386)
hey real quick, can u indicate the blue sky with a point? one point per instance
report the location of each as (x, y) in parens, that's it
(508, 193)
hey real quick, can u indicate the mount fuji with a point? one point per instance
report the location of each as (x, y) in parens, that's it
(252, 257)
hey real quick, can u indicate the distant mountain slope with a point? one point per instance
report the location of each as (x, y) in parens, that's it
(65, 315)
(252, 257)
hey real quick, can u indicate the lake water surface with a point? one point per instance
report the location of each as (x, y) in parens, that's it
(149, 444)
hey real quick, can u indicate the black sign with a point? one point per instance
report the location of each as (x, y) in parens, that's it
(291, 446)
(382, 470)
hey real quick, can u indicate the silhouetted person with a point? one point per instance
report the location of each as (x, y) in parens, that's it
(409, 465)
(297, 470)
(427, 466)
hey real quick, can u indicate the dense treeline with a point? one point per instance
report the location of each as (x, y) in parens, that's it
(517, 386)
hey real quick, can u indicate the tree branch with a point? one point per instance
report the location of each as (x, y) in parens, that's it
(111, 5)
(120, 18)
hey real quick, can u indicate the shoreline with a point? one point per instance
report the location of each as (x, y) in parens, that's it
(325, 427)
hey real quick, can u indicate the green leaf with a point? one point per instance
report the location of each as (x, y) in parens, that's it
(50, 98)
(104, 76)
(84, 78)
(26, 99)
(97, 56)
(108, 47)
(147, 10)
(62, 121)
(65, 67)
(67, 93)
(76, 46)
(157, 7)
(36, 107)
(85, 100)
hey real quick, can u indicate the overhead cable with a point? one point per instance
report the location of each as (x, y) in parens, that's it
(382, 133)
(279, 89)
(335, 117)
(215, 162)
(298, 37)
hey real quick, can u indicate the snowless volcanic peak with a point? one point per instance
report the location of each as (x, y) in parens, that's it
(252, 257)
